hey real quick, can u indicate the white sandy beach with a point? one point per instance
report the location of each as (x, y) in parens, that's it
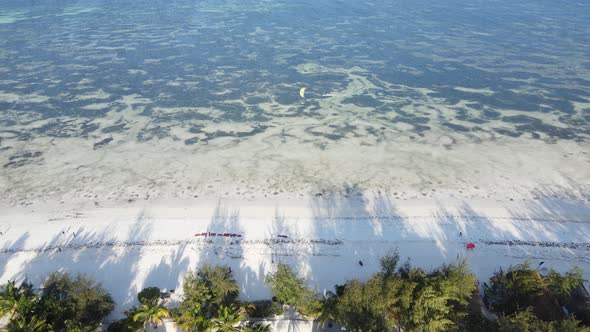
(422, 129)
(126, 212)
(134, 245)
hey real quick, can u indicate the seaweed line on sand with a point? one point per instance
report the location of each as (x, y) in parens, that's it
(165, 243)
(546, 244)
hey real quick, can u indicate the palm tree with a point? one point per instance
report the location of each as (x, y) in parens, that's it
(9, 296)
(23, 324)
(329, 311)
(248, 308)
(227, 317)
(192, 320)
(260, 327)
(73, 326)
(20, 304)
(221, 284)
(153, 314)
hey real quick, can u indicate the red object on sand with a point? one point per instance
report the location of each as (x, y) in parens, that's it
(470, 245)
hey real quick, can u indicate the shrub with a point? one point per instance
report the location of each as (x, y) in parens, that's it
(121, 325)
(266, 308)
(409, 298)
(310, 304)
(79, 300)
(285, 285)
(149, 296)
(288, 289)
(515, 289)
(13, 298)
(562, 286)
(527, 321)
(208, 290)
(522, 287)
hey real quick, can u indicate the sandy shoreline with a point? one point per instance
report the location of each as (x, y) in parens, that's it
(121, 139)
(133, 245)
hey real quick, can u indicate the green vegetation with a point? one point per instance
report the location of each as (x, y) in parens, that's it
(228, 317)
(64, 304)
(408, 298)
(14, 298)
(208, 295)
(257, 327)
(149, 296)
(151, 313)
(76, 300)
(527, 300)
(527, 321)
(210, 303)
(288, 289)
(395, 298)
(266, 308)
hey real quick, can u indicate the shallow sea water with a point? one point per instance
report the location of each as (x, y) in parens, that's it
(136, 100)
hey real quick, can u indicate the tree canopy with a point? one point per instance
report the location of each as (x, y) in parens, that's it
(522, 288)
(288, 289)
(396, 297)
(64, 304)
(408, 297)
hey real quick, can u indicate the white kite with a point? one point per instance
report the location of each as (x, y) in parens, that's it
(302, 92)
